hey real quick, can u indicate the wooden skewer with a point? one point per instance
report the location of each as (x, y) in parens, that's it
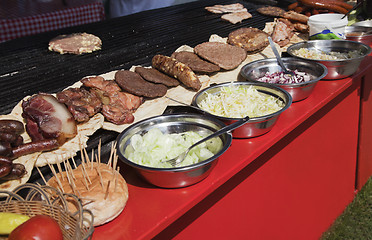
(72, 172)
(100, 178)
(92, 160)
(107, 190)
(42, 176)
(99, 151)
(57, 178)
(60, 168)
(86, 174)
(70, 181)
(73, 161)
(116, 177)
(110, 158)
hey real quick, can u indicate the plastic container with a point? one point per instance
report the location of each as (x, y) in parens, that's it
(327, 26)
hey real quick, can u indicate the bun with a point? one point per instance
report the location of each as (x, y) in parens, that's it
(101, 188)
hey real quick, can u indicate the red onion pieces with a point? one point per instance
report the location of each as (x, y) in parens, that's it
(282, 78)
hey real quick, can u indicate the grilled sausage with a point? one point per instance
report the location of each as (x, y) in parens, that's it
(335, 6)
(5, 149)
(32, 147)
(11, 126)
(6, 166)
(178, 70)
(292, 6)
(18, 170)
(12, 138)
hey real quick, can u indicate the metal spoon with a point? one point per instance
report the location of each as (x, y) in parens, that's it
(278, 58)
(179, 159)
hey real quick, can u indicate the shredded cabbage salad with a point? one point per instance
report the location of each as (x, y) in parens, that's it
(154, 148)
(239, 102)
(321, 55)
(282, 78)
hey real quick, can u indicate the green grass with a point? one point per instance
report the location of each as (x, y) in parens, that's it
(356, 221)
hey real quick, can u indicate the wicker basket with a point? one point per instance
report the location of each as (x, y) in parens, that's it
(46, 200)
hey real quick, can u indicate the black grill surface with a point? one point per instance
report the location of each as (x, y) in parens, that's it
(28, 67)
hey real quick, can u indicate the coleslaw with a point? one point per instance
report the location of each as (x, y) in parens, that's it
(239, 102)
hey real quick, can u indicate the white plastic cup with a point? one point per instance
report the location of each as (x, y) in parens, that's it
(321, 26)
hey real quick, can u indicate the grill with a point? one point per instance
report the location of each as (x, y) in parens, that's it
(28, 67)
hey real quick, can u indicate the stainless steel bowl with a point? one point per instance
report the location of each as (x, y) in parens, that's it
(174, 123)
(366, 23)
(337, 69)
(255, 126)
(359, 34)
(299, 91)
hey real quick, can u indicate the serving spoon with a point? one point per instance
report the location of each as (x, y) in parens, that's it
(278, 58)
(180, 158)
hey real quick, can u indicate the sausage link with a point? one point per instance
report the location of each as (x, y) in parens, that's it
(8, 137)
(321, 4)
(6, 166)
(18, 141)
(11, 138)
(11, 126)
(37, 146)
(5, 149)
(343, 4)
(292, 6)
(18, 170)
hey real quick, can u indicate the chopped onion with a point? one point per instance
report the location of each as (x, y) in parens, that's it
(282, 78)
(154, 148)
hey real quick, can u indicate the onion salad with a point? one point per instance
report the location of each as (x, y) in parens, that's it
(239, 102)
(154, 148)
(283, 78)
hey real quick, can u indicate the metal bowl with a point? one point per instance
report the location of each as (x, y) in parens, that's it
(299, 91)
(255, 126)
(175, 123)
(366, 23)
(337, 69)
(359, 34)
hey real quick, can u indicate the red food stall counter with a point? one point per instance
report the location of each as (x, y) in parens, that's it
(290, 183)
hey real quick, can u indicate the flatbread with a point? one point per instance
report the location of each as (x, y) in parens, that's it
(76, 43)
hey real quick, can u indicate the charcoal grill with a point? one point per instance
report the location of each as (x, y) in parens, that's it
(28, 67)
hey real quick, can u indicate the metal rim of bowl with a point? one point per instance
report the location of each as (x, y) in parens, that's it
(290, 49)
(349, 29)
(260, 84)
(175, 169)
(325, 72)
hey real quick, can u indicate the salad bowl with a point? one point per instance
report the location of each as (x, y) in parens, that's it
(257, 71)
(260, 122)
(163, 175)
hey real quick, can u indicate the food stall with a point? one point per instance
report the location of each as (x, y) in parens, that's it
(289, 183)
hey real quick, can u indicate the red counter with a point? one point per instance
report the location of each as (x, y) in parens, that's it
(290, 183)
